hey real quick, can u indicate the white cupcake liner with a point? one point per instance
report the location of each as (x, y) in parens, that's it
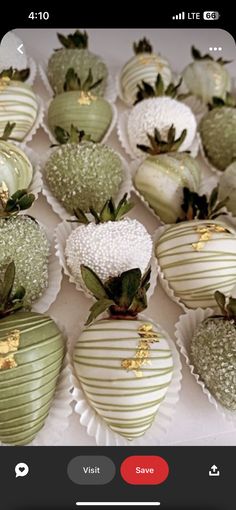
(197, 106)
(48, 297)
(36, 184)
(184, 331)
(124, 139)
(195, 103)
(58, 208)
(118, 90)
(53, 140)
(206, 186)
(57, 420)
(96, 426)
(33, 71)
(62, 233)
(110, 91)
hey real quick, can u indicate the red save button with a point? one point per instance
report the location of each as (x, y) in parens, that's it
(144, 470)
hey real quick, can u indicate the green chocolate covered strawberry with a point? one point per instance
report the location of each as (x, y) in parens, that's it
(213, 352)
(217, 130)
(81, 173)
(31, 355)
(75, 53)
(23, 241)
(78, 105)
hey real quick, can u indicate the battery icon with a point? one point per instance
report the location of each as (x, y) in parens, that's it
(211, 15)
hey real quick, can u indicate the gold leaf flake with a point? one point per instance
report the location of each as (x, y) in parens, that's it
(4, 82)
(206, 234)
(4, 193)
(218, 228)
(142, 355)
(198, 246)
(86, 98)
(144, 328)
(7, 363)
(9, 345)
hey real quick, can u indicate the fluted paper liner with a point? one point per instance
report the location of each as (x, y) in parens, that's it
(33, 71)
(54, 280)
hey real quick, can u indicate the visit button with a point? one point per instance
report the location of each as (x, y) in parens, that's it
(144, 470)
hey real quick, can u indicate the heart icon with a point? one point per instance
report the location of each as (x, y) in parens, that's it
(10, 56)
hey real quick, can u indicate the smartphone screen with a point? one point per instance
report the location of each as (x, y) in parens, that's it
(117, 261)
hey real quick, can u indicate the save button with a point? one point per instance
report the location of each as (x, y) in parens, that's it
(144, 470)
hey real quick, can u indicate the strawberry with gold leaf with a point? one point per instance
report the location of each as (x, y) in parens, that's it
(123, 362)
(31, 355)
(197, 256)
(144, 65)
(79, 106)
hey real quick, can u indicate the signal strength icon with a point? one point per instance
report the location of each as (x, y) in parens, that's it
(181, 15)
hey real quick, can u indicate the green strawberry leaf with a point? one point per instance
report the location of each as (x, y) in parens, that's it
(123, 288)
(93, 283)
(142, 46)
(97, 308)
(7, 131)
(81, 216)
(8, 282)
(220, 299)
(213, 197)
(18, 295)
(159, 86)
(231, 308)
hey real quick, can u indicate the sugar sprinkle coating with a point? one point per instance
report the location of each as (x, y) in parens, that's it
(108, 248)
(84, 175)
(81, 60)
(25, 242)
(160, 113)
(213, 352)
(217, 130)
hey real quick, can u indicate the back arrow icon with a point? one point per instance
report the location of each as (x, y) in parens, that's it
(20, 49)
